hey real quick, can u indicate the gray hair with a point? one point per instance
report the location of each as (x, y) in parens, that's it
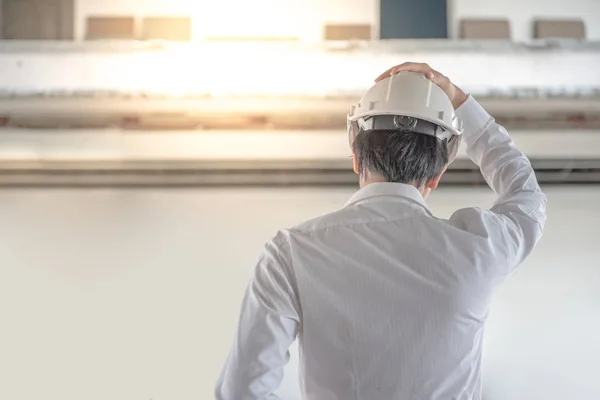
(401, 157)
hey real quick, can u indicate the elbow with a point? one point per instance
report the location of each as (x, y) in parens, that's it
(524, 239)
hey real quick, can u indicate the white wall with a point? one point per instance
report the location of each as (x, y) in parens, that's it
(521, 13)
(134, 295)
(218, 70)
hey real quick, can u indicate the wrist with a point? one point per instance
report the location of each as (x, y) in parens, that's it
(459, 98)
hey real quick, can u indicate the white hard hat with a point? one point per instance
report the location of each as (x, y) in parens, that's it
(407, 102)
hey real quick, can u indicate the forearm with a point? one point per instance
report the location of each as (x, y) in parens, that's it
(521, 204)
(504, 167)
(254, 368)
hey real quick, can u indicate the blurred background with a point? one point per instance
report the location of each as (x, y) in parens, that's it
(149, 148)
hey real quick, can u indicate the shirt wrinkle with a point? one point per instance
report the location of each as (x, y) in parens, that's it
(316, 230)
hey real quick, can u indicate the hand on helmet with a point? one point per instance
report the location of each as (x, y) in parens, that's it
(454, 93)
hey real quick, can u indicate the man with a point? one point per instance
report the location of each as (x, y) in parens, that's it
(388, 301)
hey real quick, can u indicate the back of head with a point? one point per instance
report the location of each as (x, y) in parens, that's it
(404, 130)
(401, 157)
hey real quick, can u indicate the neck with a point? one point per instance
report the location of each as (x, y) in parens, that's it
(364, 181)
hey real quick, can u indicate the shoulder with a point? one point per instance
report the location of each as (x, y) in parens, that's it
(485, 230)
(340, 218)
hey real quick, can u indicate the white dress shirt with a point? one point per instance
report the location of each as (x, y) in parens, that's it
(388, 301)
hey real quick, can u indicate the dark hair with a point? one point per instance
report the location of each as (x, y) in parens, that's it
(401, 157)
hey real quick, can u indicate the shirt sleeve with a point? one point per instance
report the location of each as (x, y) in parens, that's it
(267, 327)
(515, 223)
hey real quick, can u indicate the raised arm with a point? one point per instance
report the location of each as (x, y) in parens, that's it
(516, 221)
(521, 205)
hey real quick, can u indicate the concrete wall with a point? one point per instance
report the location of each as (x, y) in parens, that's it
(305, 19)
(37, 19)
(214, 18)
(139, 8)
(521, 13)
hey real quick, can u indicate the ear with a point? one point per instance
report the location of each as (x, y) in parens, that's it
(435, 182)
(355, 163)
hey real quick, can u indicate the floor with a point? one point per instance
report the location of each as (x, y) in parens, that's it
(133, 295)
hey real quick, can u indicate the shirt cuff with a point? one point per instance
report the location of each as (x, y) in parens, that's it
(474, 118)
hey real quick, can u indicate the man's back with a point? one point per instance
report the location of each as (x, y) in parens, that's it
(393, 299)
(388, 301)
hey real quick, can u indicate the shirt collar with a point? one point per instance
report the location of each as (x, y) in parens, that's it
(387, 189)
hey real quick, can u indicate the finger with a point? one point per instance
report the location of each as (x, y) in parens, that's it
(436, 77)
(412, 67)
(384, 75)
(423, 68)
(439, 79)
(399, 68)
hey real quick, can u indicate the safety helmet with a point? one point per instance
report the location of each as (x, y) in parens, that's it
(407, 102)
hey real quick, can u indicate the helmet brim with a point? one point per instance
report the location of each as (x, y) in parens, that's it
(452, 144)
